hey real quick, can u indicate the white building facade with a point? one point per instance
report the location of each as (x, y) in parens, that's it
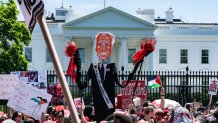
(179, 44)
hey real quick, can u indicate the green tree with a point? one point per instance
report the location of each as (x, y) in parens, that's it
(13, 36)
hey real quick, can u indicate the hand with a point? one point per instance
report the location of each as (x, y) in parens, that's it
(162, 91)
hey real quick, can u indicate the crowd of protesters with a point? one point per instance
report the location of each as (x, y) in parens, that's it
(147, 113)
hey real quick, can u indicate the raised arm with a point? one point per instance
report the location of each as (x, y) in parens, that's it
(162, 96)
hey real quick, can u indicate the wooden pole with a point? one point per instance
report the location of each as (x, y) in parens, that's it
(58, 68)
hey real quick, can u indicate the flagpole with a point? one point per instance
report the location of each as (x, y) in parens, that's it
(58, 68)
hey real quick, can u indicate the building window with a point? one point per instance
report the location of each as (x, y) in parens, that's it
(131, 51)
(162, 55)
(82, 54)
(28, 53)
(48, 56)
(183, 56)
(204, 56)
(61, 12)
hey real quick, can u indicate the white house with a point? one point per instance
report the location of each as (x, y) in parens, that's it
(179, 44)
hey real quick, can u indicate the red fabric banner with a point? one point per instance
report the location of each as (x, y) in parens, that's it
(147, 46)
(70, 50)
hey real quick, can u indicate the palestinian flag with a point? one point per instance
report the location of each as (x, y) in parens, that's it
(154, 82)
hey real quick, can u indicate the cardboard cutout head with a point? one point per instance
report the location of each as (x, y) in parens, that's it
(104, 43)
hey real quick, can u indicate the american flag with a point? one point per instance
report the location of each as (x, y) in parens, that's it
(31, 9)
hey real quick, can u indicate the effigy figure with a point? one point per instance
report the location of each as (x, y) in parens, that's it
(103, 76)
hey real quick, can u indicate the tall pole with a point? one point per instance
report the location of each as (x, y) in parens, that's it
(62, 4)
(58, 68)
(104, 3)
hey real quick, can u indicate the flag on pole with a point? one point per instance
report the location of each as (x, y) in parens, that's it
(154, 81)
(31, 9)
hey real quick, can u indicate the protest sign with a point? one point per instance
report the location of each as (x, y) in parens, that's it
(57, 94)
(127, 92)
(7, 85)
(78, 103)
(37, 79)
(29, 100)
(42, 76)
(213, 87)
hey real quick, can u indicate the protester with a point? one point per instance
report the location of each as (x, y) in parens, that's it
(159, 114)
(181, 114)
(148, 113)
(89, 112)
(134, 118)
(118, 118)
(60, 116)
(17, 117)
(29, 121)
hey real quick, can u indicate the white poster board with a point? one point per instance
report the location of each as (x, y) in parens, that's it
(29, 100)
(78, 103)
(42, 76)
(213, 87)
(7, 85)
(37, 79)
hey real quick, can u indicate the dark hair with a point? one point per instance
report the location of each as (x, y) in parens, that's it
(88, 112)
(59, 114)
(172, 115)
(67, 120)
(146, 104)
(122, 117)
(133, 111)
(188, 106)
(148, 109)
(134, 118)
(29, 121)
(16, 114)
(49, 110)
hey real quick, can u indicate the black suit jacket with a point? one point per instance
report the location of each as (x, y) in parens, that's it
(101, 109)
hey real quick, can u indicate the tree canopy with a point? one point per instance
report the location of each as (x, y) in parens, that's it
(13, 36)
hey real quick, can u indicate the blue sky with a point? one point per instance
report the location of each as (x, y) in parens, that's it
(189, 10)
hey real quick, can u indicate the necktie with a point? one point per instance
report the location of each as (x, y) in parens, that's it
(102, 72)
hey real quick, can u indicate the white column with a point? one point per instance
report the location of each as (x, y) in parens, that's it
(123, 53)
(150, 62)
(66, 59)
(94, 54)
